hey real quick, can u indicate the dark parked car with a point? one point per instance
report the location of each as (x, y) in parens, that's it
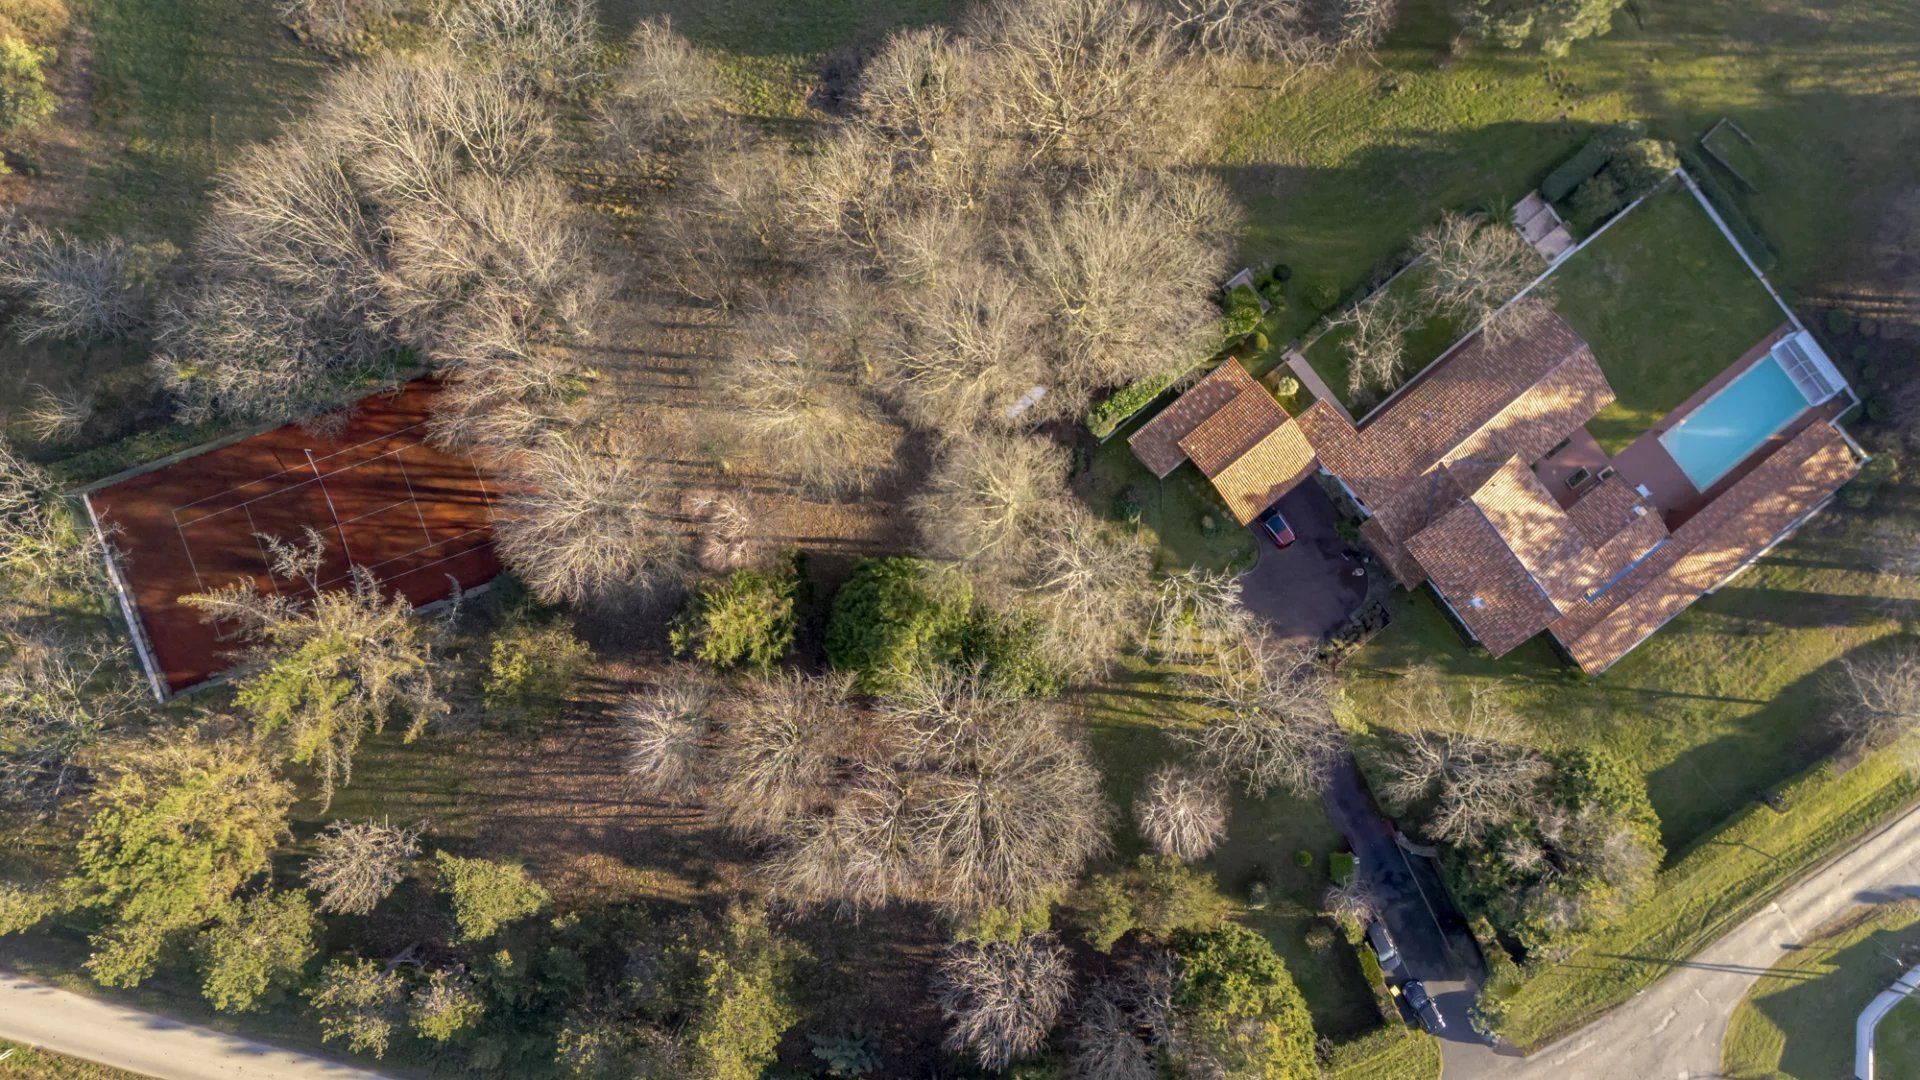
(1277, 528)
(1423, 1006)
(1383, 947)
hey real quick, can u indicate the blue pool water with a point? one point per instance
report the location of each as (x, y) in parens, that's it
(1731, 424)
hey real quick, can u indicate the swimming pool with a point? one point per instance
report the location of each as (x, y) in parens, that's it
(1712, 439)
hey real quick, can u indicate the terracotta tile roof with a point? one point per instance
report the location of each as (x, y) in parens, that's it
(1256, 479)
(1604, 510)
(1540, 535)
(1406, 569)
(1485, 400)
(1481, 578)
(1235, 428)
(1792, 482)
(1157, 443)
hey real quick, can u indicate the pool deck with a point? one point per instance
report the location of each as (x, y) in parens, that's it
(1646, 463)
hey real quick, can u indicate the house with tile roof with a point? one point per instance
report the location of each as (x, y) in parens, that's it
(1467, 480)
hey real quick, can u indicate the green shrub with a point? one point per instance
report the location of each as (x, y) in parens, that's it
(487, 895)
(1303, 859)
(1839, 322)
(40, 22)
(1589, 160)
(1595, 200)
(1237, 1006)
(845, 1056)
(746, 618)
(1157, 896)
(999, 923)
(24, 97)
(1640, 166)
(1340, 866)
(531, 668)
(1242, 314)
(743, 1001)
(1109, 413)
(443, 1006)
(895, 615)
(254, 948)
(1006, 650)
(1323, 293)
(359, 1003)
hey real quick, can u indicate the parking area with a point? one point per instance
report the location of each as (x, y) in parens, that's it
(1311, 588)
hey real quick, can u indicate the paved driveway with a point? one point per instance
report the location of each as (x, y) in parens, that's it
(1309, 589)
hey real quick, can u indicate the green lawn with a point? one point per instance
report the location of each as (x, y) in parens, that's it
(26, 1063)
(1797, 1021)
(1129, 721)
(1173, 513)
(1666, 303)
(1433, 336)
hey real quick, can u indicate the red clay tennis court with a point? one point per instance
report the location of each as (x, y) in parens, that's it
(418, 517)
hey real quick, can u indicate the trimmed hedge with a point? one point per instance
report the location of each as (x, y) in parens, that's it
(1728, 207)
(1589, 160)
(1107, 415)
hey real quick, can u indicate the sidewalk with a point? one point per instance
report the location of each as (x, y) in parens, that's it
(147, 1043)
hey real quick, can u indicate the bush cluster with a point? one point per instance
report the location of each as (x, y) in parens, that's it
(746, 618)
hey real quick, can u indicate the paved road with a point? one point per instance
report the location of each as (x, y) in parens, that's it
(1433, 939)
(147, 1043)
(1308, 589)
(1674, 1028)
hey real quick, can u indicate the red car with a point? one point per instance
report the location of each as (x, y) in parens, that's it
(1277, 529)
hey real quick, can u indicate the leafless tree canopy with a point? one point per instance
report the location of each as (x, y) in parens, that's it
(667, 728)
(1468, 757)
(1876, 695)
(1086, 588)
(43, 549)
(1354, 899)
(988, 502)
(1473, 266)
(1376, 330)
(59, 699)
(338, 24)
(665, 93)
(65, 287)
(359, 863)
(1125, 1023)
(585, 522)
(1001, 999)
(1181, 813)
(548, 44)
(1293, 33)
(1276, 726)
(781, 751)
(1196, 614)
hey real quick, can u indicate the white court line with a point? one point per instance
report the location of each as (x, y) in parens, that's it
(283, 472)
(280, 490)
(331, 512)
(254, 531)
(415, 496)
(418, 550)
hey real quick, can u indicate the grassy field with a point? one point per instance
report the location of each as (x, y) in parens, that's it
(26, 1063)
(1341, 168)
(1666, 303)
(1797, 1021)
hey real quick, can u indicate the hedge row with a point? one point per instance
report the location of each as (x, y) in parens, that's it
(1108, 414)
(1589, 159)
(1728, 207)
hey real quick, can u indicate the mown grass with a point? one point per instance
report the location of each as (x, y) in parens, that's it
(27, 1063)
(1392, 1052)
(180, 86)
(1172, 513)
(1666, 302)
(1797, 1021)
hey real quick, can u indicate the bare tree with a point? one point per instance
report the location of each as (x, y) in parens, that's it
(1471, 762)
(666, 92)
(968, 350)
(549, 43)
(1086, 588)
(43, 548)
(358, 863)
(60, 698)
(1295, 34)
(1197, 613)
(988, 500)
(54, 416)
(68, 288)
(1088, 79)
(1106, 1040)
(1375, 342)
(667, 727)
(1126, 262)
(1001, 999)
(584, 522)
(1876, 695)
(927, 93)
(1355, 899)
(726, 529)
(779, 751)
(1473, 266)
(1182, 814)
(1276, 726)
(791, 375)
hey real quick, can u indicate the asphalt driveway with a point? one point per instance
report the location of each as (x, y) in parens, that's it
(1309, 589)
